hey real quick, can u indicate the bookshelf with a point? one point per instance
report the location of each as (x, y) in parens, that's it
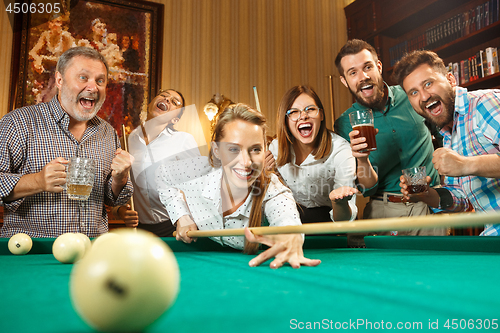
(388, 24)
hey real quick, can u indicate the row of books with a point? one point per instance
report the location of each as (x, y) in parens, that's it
(463, 24)
(449, 30)
(480, 65)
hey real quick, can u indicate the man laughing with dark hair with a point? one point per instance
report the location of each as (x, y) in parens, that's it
(470, 125)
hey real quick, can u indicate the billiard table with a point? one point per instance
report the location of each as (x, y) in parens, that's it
(410, 283)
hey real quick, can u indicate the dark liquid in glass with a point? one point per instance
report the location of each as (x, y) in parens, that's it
(367, 131)
(412, 189)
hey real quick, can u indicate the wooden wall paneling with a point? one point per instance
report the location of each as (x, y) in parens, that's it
(204, 79)
(343, 99)
(271, 96)
(262, 34)
(319, 15)
(327, 40)
(196, 51)
(287, 49)
(280, 26)
(223, 69)
(251, 35)
(6, 39)
(234, 51)
(187, 59)
(245, 44)
(296, 41)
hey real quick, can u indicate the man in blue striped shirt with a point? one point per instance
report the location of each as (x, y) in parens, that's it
(470, 125)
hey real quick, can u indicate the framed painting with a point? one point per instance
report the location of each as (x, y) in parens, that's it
(129, 34)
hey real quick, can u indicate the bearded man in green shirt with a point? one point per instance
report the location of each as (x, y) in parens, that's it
(403, 139)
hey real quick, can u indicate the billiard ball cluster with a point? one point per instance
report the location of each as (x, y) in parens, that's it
(122, 282)
(68, 248)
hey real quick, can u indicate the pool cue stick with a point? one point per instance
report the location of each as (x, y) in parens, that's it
(125, 147)
(389, 224)
(257, 104)
(330, 83)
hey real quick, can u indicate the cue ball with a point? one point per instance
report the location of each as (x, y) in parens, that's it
(68, 248)
(20, 244)
(125, 283)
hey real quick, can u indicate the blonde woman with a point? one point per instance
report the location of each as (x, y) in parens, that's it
(236, 193)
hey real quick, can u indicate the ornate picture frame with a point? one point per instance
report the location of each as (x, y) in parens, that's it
(128, 33)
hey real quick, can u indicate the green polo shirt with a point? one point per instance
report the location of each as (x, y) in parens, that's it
(403, 141)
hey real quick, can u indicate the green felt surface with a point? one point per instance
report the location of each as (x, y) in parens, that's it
(221, 293)
(439, 243)
(44, 245)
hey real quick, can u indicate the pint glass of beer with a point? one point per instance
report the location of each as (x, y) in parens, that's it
(362, 121)
(80, 178)
(415, 179)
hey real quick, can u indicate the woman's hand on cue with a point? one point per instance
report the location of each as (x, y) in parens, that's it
(284, 249)
(184, 224)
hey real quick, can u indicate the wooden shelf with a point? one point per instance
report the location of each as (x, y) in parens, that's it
(466, 42)
(399, 17)
(471, 40)
(388, 23)
(393, 18)
(487, 82)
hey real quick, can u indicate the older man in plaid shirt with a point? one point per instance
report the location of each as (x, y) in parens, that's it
(470, 125)
(37, 142)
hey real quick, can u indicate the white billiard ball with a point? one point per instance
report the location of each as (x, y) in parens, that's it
(125, 282)
(68, 248)
(86, 241)
(20, 244)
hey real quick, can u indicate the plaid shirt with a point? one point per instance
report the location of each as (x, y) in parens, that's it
(33, 136)
(476, 131)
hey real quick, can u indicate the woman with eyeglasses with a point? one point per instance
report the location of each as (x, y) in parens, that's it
(154, 143)
(238, 192)
(314, 162)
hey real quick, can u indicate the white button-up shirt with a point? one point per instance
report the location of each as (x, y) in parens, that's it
(312, 181)
(203, 201)
(168, 146)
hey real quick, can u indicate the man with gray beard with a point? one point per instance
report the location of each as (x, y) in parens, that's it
(37, 143)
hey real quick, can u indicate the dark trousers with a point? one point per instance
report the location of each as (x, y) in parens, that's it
(163, 229)
(315, 214)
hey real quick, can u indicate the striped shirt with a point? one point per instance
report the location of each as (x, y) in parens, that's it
(33, 136)
(476, 131)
